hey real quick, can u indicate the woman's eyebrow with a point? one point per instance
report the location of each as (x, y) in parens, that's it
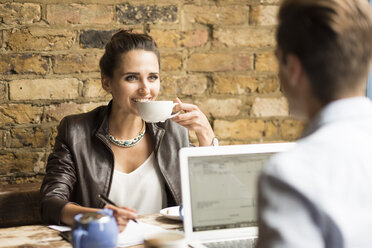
(131, 73)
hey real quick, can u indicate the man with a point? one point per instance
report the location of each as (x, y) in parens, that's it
(319, 194)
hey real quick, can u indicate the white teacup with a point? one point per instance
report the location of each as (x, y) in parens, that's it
(165, 239)
(156, 111)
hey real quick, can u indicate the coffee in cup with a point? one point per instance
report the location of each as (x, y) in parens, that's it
(156, 111)
(165, 239)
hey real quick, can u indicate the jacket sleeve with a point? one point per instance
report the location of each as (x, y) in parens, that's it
(59, 179)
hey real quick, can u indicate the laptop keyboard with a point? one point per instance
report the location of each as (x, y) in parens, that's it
(238, 243)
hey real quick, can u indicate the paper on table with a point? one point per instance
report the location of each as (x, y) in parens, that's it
(134, 233)
(60, 228)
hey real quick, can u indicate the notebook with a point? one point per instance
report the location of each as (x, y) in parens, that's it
(219, 192)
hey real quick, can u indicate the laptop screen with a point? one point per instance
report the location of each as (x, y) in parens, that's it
(223, 190)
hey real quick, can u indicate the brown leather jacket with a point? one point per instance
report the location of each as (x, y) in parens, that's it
(81, 165)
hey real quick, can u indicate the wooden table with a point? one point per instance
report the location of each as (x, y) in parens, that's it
(36, 236)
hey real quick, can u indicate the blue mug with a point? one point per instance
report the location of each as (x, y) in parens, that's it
(95, 230)
(180, 210)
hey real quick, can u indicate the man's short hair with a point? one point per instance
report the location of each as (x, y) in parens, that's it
(332, 39)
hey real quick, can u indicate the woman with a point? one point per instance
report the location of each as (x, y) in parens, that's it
(88, 158)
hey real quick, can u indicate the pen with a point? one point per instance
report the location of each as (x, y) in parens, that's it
(108, 201)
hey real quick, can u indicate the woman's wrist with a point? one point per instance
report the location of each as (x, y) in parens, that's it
(206, 139)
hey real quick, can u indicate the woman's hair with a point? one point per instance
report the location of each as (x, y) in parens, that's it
(332, 39)
(122, 42)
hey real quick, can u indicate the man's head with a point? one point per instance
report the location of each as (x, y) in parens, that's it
(331, 40)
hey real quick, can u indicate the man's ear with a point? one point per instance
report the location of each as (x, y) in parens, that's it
(295, 69)
(106, 83)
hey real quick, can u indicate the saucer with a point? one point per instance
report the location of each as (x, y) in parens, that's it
(171, 213)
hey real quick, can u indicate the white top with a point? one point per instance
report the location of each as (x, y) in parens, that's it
(142, 189)
(319, 194)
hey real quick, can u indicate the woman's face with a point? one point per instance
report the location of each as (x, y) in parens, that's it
(135, 79)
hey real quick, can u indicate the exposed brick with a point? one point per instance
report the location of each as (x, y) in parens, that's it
(12, 114)
(270, 1)
(271, 132)
(80, 14)
(34, 89)
(244, 37)
(53, 139)
(205, 2)
(266, 62)
(220, 62)
(268, 84)
(194, 38)
(193, 138)
(136, 14)
(86, 107)
(220, 107)
(3, 95)
(19, 13)
(234, 1)
(5, 66)
(192, 84)
(21, 162)
(174, 85)
(76, 63)
(40, 39)
(4, 137)
(30, 137)
(264, 15)
(93, 89)
(95, 38)
(228, 84)
(231, 15)
(165, 38)
(57, 112)
(23, 64)
(171, 61)
(291, 129)
(240, 130)
(268, 107)
(168, 86)
(244, 84)
(210, 62)
(242, 62)
(175, 39)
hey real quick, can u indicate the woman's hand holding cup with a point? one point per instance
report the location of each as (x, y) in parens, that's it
(194, 119)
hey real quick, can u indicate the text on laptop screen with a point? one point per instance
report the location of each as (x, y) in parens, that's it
(223, 190)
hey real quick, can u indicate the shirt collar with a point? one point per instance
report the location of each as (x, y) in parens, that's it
(340, 110)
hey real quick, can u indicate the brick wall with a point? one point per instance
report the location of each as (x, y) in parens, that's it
(217, 54)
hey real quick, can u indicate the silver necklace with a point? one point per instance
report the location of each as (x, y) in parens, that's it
(130, 142)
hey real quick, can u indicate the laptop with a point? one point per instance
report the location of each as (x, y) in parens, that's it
(219, 192)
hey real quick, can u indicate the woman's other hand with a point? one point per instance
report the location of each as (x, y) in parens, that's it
(194, 119)
(122, 215)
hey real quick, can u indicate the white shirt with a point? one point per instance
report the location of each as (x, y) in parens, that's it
(320, 193)
(142, 189)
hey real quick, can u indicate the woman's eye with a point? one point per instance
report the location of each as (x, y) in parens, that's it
(130, 78)
(153, 77)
